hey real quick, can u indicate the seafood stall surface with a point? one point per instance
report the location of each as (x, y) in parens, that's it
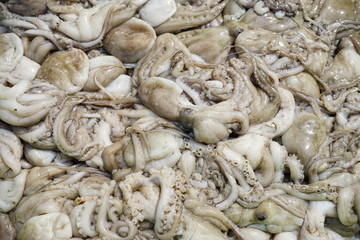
(180, 119)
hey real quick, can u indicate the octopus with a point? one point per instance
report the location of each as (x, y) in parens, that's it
(179, 119)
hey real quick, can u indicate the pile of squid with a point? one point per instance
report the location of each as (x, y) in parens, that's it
(180, 119)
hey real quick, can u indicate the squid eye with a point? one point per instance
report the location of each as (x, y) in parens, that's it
(186, 116)
(236, 31)
(186, 111)
(260, 216)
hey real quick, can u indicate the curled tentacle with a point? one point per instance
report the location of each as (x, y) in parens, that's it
(11, 150)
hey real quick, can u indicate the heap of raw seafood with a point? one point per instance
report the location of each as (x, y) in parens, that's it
(180, 119)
